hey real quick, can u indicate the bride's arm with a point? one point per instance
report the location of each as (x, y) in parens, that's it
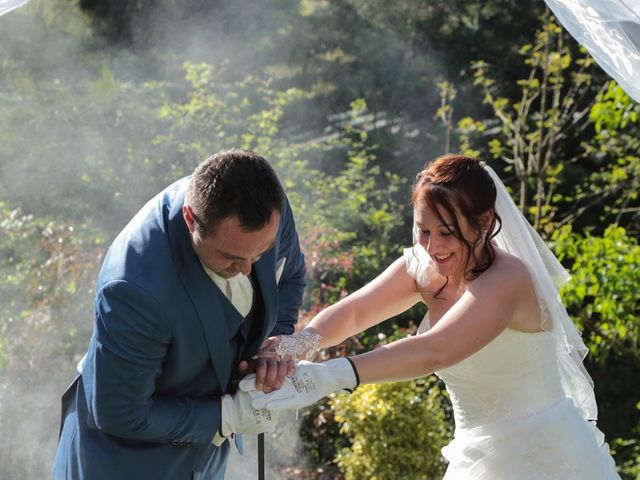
(389, 294)
(481, 314)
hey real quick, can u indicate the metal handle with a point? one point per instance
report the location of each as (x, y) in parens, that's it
(261, 456)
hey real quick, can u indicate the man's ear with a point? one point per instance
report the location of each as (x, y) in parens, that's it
(189, 218)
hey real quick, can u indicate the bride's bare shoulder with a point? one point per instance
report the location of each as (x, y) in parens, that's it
(508, 271)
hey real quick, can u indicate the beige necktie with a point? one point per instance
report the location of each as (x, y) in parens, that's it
(238, 290)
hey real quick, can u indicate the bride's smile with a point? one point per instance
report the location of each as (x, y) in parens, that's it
(438, 234)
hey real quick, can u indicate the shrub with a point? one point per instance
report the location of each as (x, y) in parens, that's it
(602, 295)
(396, 430)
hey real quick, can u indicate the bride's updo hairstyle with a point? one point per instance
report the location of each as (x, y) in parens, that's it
(460, 185)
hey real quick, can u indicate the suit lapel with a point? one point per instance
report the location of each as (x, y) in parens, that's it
(219, 321)
(265, 275)
(205, 296)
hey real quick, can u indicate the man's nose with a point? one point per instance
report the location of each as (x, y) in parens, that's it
(244, 266)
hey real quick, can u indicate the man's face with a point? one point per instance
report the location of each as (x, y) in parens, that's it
(230, 250)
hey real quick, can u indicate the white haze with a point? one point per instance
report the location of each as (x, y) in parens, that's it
(39, 369)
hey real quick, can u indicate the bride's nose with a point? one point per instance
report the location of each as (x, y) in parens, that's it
(432, 245)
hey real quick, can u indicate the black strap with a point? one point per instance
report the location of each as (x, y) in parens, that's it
(355, 371)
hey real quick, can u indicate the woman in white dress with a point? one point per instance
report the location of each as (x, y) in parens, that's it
(496, 333)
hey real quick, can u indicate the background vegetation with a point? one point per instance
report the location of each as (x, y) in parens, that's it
(103, 103)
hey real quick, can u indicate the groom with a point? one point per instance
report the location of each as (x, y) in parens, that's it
(201, 275)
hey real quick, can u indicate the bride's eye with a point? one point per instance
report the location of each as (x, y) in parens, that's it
(445, 234)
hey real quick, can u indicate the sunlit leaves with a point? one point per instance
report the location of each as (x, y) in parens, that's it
(602, 295)
(613, 109)
(617, 139)
(393, 421)
(533, 128)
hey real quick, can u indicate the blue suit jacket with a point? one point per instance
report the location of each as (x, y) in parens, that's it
(146, 402)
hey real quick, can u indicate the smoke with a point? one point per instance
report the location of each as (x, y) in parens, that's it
(64, 134)
(30, 389)
(283, 453)
(79, 145)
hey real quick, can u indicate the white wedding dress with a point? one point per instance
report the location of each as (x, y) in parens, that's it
(513, 419)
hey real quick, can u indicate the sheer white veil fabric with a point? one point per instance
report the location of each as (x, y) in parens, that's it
(610, 31)
(520, 239)
(7, 5)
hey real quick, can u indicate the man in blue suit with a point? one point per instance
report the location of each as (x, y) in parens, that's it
(189, 289)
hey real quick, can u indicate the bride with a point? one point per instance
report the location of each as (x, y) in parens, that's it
(496, 333)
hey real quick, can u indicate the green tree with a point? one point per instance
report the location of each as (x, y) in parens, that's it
(613, 190)
(75, 138)
(531, 134)
(602, 296)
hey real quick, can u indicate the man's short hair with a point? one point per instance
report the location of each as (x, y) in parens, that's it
(234, 183)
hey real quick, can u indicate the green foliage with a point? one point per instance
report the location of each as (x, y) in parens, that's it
(613, 109)
(629, 467)
(360, 201)
(321, 437)
(329, 269)
(614, 189)
(529, 129)
(340, 97)
(77, 147)
(49, 269)
(602, 295)
(396, 431)
(216, 113)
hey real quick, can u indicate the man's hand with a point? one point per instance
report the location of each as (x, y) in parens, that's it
(309, 383)
(238, 416)
(270, 368)
(277, 356)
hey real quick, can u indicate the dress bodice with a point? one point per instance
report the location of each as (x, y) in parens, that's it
(513, 376)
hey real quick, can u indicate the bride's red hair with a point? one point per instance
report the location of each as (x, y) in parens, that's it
(460, 185)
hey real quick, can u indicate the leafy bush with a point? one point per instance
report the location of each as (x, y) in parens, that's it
(396, 430)
(45, 266)
(602, 295)
(613, 190)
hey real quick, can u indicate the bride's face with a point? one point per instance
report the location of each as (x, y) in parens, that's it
(449, 253)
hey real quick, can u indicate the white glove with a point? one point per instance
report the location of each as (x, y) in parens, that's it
(238, 416)
(309, 383)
